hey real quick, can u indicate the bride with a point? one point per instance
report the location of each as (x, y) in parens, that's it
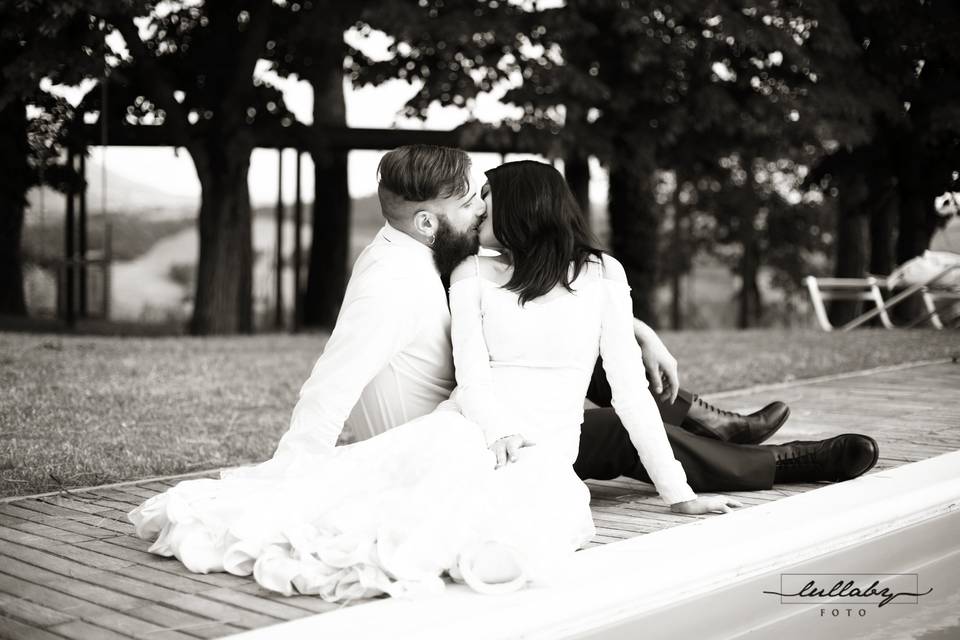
(482, 489)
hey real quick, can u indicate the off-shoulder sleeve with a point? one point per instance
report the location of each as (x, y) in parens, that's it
(474, 394)
(623, 363)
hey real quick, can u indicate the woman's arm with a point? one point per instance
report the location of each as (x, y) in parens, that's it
(623, 363)
(474, 392)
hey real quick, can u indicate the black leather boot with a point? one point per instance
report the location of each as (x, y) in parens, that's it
(834, 459)
(704, 419)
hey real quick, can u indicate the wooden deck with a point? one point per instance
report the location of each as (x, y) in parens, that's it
(71, 568)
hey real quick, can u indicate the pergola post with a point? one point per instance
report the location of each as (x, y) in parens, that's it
(82, 236)
(297, 247)
(69, 251)
(278, 311)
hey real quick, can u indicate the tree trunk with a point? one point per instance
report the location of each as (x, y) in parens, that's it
(329, 249)
(916, 223)
(576, 169)
(850, 262)
(916, 226)
(881, 236)
(13, 188)
(634, 225)
(750, 308)
(224, 296)
(677, 265)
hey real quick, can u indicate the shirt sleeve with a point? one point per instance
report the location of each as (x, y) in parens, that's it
(623, 364)
(375, 323)
(474, 394)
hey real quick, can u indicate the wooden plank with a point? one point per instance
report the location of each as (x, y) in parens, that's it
(117, 516)
(177, 620)
(72, 585)
(135, 556)
(221, 611)
(17, 530)
(180, 582)
(613, 533)
(310, 603)
(155, 486)
(14, 630)
(134, 627)
(610, 516)
(604, 539)
(40, 594)
(632, 528)
(31, 613)
(216, 579)
(58, 522)
(36, 528)
(139, 491)
(40, 559)
(121, 496)
(80, 630)
(69, 552)
(68, 503)
(57, 514)
(268, 606)
(132, 586)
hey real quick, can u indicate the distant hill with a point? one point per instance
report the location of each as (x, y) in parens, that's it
(124, 197)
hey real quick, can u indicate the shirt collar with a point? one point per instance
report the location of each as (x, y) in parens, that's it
(393, 235)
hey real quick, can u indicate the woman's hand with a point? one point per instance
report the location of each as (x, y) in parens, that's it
(506, 448)
(705, 504)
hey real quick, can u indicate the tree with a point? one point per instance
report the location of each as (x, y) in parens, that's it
(647, 78)
(37, 42)
(193, 74)
(309, 43)
(887, 94)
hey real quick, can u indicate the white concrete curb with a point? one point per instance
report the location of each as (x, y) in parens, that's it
(624, 581)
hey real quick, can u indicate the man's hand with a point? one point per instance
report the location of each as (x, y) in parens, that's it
(506, 448)
(661, 366)
(705, 504)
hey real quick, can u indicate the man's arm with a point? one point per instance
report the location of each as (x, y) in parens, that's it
(372, 328)
(660, 364)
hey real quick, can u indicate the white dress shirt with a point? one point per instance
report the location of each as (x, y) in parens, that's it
(389, 357)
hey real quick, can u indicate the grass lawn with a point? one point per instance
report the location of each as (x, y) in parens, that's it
(78, 411)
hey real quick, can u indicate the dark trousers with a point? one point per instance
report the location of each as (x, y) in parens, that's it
(711, 465)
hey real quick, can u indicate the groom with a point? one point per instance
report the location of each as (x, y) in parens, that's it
(389, 357)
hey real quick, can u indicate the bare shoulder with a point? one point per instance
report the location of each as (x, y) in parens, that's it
(496, 268)
(613, 270)
(465, 270)
(488, 267)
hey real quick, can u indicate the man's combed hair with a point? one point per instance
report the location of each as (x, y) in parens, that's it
(422, 172)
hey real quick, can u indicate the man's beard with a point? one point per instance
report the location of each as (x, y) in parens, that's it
(451, 247)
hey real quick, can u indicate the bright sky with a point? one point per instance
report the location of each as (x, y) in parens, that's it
(366, 107)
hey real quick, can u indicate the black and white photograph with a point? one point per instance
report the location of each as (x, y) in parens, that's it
(480, 319)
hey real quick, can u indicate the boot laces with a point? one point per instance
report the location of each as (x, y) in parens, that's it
(709, 407)
(798, 459)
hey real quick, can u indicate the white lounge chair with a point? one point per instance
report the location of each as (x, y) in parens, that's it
(864, 289)
(868, 289)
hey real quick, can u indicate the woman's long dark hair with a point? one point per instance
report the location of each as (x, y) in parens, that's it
(537, 219)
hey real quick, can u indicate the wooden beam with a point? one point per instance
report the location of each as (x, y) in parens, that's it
(315, 137)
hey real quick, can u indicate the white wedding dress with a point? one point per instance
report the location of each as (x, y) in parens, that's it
(394, 513)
